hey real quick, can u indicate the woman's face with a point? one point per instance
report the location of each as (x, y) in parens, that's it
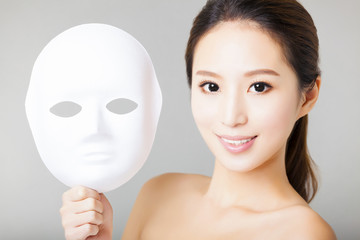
(245, 97)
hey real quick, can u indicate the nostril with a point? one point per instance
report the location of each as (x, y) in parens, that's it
(242, 119)
(234, 120)
(234, 111)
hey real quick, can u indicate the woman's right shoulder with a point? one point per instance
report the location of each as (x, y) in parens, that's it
(159, 193)
(154, 194)
(162, 189)
(173, 184)
(164, 180)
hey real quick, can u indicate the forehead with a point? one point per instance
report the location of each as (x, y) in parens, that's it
(91, 57)
(238, 44)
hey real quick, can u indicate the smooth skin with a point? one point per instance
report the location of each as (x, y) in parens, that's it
(242, 87)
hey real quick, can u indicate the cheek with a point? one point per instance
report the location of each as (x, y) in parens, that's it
(277, 116)
(204, 109)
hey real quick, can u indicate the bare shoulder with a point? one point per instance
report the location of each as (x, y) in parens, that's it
(167, 190)
(304, 223)
(167, 179)
(160, 193)
(173, 183)
(171, 189)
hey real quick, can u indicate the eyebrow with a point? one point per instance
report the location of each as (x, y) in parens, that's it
(208, 74)
(247, 74)
(261, 72)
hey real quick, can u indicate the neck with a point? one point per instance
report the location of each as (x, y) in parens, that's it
(265, 188)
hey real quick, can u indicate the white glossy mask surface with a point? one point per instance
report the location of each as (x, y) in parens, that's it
(93, 106)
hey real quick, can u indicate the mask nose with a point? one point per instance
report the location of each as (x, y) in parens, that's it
(94, 122)
(233, 110)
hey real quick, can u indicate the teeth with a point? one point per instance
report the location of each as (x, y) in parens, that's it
(237, 142)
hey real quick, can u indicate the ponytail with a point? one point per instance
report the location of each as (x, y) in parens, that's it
(299, 165)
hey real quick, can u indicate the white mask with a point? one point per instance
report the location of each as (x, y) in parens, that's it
(93, 106)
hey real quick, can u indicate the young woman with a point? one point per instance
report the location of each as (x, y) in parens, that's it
(252, 66)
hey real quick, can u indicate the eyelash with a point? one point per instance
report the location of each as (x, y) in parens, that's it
(204, 83)
(265, 84)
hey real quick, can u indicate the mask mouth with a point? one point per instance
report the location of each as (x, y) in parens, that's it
(98, 157)
(95, 152)
(98, 141)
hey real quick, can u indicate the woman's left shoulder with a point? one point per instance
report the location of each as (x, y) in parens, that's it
(304, 223)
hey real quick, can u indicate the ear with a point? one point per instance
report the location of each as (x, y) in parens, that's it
(309, 98)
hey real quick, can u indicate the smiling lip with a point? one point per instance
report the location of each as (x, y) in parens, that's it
(237, 144)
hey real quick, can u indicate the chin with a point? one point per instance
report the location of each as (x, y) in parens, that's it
(239, 165)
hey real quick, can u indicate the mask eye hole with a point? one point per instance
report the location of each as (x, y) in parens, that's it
(121, 106)
(65, 109)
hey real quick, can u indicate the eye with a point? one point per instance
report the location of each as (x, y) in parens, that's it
(121, 106)
(259, 87)
(209, 87)
(65, 109)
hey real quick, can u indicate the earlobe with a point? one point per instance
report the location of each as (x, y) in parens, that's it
(310, 97)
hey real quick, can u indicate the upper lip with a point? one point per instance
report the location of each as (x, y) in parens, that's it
(236, 138)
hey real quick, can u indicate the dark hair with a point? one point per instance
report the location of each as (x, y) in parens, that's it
(288, 23)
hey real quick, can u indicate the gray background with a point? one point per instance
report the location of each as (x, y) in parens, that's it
(31, 196)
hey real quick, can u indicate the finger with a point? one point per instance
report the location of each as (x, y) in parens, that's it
(82, 232)
(88, 204)
(76, 220)
(79, 193)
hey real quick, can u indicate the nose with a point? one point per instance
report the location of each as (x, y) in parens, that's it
(94, 122)
(233, 109)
